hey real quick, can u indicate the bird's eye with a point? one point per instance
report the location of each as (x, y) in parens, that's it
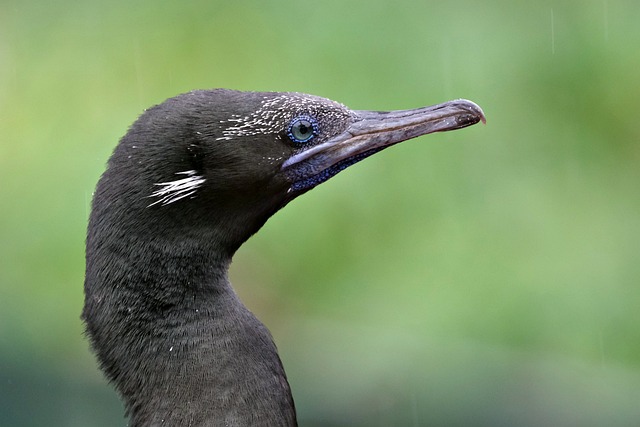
(302, 129)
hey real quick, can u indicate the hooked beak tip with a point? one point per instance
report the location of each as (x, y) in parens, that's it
(474, 108)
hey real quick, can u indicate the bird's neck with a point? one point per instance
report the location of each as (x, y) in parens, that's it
(213, 363)
(176, 341)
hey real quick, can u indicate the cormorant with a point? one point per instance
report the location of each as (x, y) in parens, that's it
(192, 179)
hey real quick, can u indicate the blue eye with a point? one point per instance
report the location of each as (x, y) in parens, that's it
(302, 129)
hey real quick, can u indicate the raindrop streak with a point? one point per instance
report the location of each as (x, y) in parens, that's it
(87, 203)
(605, 16)
(414, 410)
(601, 349)
(445, 62)
(137, 64)
(553, 36)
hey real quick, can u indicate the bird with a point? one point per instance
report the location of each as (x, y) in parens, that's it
(191, 180)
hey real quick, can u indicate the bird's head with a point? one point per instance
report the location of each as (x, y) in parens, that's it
(228, 160)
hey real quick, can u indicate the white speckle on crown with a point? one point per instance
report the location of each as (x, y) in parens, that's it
(274, 114)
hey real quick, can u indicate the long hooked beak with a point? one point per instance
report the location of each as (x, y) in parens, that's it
(373, 131)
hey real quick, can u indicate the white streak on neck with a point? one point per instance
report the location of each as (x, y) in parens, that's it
(172, 191)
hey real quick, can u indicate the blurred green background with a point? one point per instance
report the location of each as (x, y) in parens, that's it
(484, 277)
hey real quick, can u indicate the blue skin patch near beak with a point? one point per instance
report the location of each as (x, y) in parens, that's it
(312, 181)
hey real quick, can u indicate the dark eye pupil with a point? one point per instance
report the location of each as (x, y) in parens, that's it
(302, 129)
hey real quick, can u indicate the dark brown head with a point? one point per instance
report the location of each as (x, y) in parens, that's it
(229, 159)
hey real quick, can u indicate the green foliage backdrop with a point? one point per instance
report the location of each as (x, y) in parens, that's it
(489, 276)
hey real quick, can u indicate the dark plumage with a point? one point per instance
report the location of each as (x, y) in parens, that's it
(193, 178)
